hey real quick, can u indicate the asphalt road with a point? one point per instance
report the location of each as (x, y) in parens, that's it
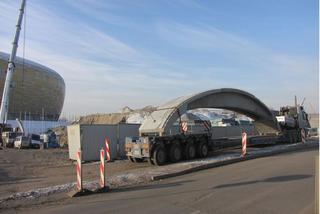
(278, 184)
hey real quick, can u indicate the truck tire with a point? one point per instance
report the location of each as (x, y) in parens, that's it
(175, 152)
(289, 137)
(190, 151)
(159, 156)
(203, 150)
(292, 137)
(295, 137)
(299, 135)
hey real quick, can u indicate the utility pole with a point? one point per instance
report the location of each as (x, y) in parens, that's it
(8, 82)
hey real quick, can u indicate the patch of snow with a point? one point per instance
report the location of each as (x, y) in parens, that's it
(136, 118)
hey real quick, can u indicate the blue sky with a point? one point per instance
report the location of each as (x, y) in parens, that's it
(145, 52)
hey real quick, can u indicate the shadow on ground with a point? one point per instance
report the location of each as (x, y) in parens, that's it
(151, 186)
(284, 178)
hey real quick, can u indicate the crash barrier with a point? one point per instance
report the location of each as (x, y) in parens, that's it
(244, 144)
(303, 136)
(79, 171)
(102, 169)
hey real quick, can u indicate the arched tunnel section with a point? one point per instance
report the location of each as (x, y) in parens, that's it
(162, 120)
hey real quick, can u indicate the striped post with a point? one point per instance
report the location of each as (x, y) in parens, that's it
(244, 144)
(303, 136)
(102, 169)
(184, 126)
(108, 149)
(79, 171)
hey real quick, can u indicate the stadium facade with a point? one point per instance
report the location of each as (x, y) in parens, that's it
(38, 92)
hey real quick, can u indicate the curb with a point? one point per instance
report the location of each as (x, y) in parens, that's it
(301, 147)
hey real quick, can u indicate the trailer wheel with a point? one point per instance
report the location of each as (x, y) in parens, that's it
(299, 135)
(203, 150)
(175, 153)
(295, 137)
(190, 151)
(292, 137)
(159, 156)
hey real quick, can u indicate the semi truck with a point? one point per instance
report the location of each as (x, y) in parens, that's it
(197, 137)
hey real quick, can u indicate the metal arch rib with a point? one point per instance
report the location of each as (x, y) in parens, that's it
(161, 120)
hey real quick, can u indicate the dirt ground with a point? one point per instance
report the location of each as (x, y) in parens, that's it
(23, 170)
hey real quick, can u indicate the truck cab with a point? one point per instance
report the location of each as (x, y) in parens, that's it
(9, 137)
(22, 142)
(292, 121)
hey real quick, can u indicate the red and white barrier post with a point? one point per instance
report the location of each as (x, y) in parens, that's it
(244, 144)
(303, 136)
(79, 171)
(184, 126)
(108, 149)
(102, 169)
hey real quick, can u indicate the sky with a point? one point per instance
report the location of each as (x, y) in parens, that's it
(117, 53)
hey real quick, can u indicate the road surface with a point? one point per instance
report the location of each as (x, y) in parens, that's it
(278, 184)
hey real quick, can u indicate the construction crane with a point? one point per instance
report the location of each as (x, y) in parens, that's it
(11, 66)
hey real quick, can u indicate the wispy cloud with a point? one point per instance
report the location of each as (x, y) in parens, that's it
(104, 73)
(272, 74)
(101, 72)
(211, 40)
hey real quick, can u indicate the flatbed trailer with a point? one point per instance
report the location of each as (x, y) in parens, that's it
(253, 140)
(160, 149)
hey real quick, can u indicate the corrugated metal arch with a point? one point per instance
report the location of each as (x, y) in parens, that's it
(161, 120)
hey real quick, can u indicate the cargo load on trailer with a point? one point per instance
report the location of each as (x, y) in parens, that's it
(165, 136)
